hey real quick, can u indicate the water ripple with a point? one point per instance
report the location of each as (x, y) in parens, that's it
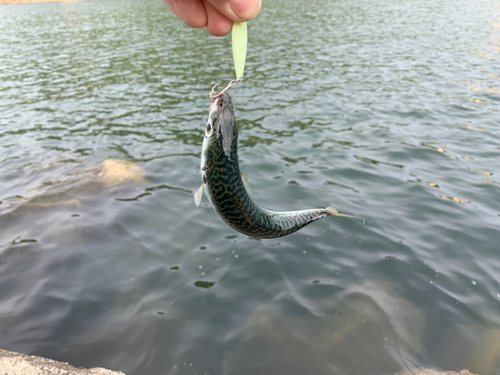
(387, 110)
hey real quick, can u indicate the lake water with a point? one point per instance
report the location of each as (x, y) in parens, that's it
(386, 109)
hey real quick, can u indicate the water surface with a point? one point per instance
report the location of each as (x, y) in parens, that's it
(386, 109)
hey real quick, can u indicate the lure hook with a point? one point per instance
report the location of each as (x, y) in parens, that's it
(213, 95)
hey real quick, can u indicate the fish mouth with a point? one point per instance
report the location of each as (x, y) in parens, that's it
(213, 106)
(215, 97)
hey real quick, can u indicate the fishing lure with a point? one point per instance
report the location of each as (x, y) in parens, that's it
(225, 188)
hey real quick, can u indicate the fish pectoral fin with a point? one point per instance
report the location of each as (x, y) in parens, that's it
(245, 183)
(198, 195)
(333, 212)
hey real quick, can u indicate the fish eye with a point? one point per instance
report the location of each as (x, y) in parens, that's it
(210, 129)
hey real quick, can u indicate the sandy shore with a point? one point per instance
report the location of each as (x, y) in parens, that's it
(7, 2)
(21, 364)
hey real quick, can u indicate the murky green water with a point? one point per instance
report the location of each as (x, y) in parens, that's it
(387, 109)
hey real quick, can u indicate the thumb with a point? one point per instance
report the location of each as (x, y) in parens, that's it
(238, 10)
(246, 10)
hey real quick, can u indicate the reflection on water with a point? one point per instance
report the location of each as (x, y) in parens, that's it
(389, 110)
(458, 200)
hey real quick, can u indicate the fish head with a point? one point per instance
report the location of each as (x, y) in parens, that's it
(221, 126)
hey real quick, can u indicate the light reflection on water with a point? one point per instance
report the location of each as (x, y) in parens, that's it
(388, 110)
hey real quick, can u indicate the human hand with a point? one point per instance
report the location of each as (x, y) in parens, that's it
(216, 16)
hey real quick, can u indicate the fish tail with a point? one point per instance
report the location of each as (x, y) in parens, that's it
(332, 211)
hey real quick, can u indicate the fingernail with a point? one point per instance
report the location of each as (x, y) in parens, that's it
(243, 8)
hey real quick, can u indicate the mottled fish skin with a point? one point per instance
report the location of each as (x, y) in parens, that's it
(222, 180)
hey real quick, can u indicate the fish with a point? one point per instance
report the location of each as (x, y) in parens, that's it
(225, 187)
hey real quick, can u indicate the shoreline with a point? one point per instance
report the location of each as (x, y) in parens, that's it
(21, 364)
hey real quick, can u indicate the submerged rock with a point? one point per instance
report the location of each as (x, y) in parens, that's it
(69, 190)
(477, 347)
(21, 364)
(367, 329)
(116, 172)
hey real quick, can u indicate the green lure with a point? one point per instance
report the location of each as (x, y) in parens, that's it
(239, 41)
(225, 188)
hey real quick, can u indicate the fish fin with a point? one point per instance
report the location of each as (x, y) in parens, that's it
(198, 195)
(333, 212)
(245, 183)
